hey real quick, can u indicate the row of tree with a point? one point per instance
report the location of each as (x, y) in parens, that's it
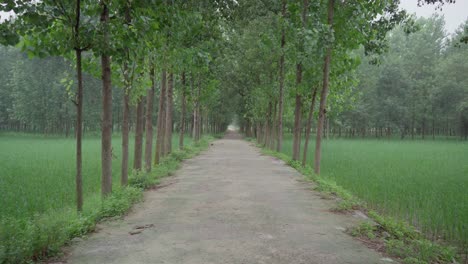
(417, 90)
(132, 46)
(361, 68)
(303, 48)
(265, 61)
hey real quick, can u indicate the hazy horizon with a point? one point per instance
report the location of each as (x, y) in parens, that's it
(455, 14)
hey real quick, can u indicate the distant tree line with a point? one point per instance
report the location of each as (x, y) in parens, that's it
(36, 96)
(419, 90)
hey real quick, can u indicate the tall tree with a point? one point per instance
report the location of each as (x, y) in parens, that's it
(169, 113)
(127, 74)
(279, 145)
(149, 121)
(106, 134)
(139, 126)
(309, 125)
(183, 111)
(298, 106)
(79, 108)
(324, 93)
(42, 37)
(160, 130)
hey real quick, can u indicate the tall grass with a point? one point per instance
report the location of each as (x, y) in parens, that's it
(422, 182)
(37, 191)
(37, 173)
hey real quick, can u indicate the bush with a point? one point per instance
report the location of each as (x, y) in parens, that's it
(120, 201)
(420, 251)
(365, 229)
(142, 180)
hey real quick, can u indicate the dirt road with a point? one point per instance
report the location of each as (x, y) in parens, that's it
(228, 205)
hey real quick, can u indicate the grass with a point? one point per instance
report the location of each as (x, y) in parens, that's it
(400, 239)
(37, 212)
(422, 182)
(31, 164)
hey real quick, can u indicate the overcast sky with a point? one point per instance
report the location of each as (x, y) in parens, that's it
(455, 14)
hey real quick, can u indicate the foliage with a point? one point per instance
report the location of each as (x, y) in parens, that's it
(233, 55)
(365, 229)
(420, 251)
(418, 88)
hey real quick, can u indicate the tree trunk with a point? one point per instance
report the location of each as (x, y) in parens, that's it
(126, 110)
(161, 120)
(106, 135)
(149, 122)
(195, 122)
(297, 116)
(182, 113)
(413, 118)
(140, 121)
(78, 128)
(323, 96)
(196, 114)
(266, 142)
(260, 134)
(79, 112)
(423, 128)
(309, 126)
(298, 109)
(169, 107)
(274, 129)
(281, 82)
(125, 131)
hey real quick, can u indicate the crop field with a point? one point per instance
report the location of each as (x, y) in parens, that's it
(37, 173)
(422, 182)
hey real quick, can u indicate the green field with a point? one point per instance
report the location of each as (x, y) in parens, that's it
(37, 173)
(422, 182)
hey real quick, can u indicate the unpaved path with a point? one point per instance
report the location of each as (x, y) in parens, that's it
(228, 205)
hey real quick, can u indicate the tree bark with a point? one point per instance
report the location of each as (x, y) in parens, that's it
(309, 126)
(161, 121)
(169, 110)
(281, 82)
(298, 108)
(78, 128)
(297, 116)
(126, 109)
(433, 122)
(138, 149)
(149, 122)
(260, 132)
(182, 114)
(106, 135)
(274, 131)
(196, 115)
(79, 111)
(268, 126)
(125, 131)
(323, 96)
(413, 119)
